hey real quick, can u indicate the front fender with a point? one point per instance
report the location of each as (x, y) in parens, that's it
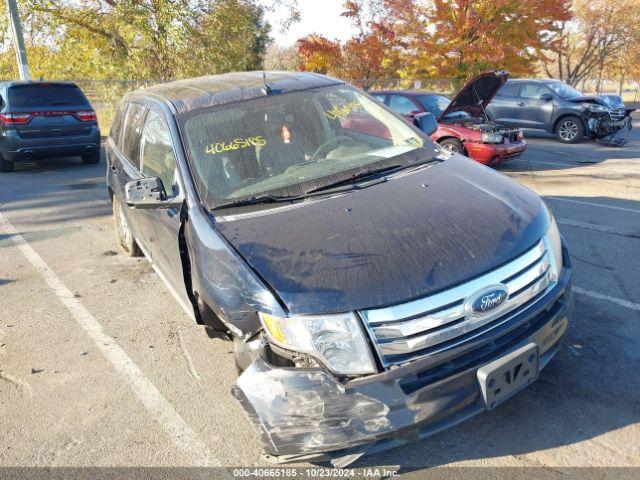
(223, 280)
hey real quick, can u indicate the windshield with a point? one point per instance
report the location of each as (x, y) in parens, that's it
(289, 144)
(564, 90)
(435, 104)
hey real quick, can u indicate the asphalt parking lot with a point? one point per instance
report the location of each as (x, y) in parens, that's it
(100, 366)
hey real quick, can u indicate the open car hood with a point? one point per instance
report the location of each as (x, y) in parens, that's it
(474, 97)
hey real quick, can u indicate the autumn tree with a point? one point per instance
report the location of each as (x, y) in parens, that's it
(145, 39)
(319, 54)
(365, 57)
(603, 34)
(461, 38)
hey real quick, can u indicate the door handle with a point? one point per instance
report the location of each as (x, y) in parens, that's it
(521, 104)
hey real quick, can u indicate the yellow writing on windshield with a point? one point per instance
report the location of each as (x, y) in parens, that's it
(235, 144)
(342, 111)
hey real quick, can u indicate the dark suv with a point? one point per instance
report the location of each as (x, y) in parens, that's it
(377, 287)
(46, 119)
(558, 108)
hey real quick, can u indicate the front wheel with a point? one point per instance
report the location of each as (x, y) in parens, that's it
(124, 236)
(453, 145)
(570, 130)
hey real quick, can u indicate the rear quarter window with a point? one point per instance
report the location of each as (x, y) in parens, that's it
(132, 128)
(116, 127)
(45, 95)
(508, 89)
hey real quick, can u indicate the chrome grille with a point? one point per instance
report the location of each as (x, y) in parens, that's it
(617, 114)
(411, 330)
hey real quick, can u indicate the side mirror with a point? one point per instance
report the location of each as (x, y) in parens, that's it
(426, 122)
(546, 97)
(148, 192)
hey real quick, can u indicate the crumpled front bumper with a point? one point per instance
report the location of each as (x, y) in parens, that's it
(308, 414)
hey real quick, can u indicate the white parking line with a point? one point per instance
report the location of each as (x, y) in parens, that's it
(600, 296)
(584, 165)
(592, 204)
(162, 411)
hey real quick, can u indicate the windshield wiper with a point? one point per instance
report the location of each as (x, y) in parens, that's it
(374, 172)
(260, 199)
(356, 177)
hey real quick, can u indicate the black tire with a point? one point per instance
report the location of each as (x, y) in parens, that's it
(453, 145)
(6, 165)
(124, 237)
(92, 158)
(570, 129)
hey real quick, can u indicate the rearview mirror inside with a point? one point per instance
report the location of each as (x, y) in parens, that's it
(426, 122)
(148, 192)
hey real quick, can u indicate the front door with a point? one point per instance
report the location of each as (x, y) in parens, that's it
(162, 225)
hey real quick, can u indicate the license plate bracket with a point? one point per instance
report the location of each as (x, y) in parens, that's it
(504, 377)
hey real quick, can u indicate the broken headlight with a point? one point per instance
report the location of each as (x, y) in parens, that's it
(492, 137)
(592, 107)
(338, 341)
(554, 247)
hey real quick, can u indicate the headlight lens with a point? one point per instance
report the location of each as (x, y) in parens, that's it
(554, 245)
(595, 108)
(338, 340)
(492, 137)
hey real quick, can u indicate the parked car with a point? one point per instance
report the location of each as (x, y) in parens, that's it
(557, 107)
(44, 120)
(463, 126)
(377, 288)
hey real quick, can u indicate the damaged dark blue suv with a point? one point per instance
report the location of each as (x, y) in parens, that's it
(376, 287)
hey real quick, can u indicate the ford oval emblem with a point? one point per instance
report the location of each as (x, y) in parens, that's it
(487, 299)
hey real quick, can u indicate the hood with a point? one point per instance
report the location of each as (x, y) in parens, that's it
(403, 239)
(610, 101)
(474, 97)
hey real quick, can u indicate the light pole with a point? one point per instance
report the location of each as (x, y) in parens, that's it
(18, 40)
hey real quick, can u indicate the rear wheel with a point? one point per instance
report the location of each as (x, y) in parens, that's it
(124, 236)
(453, 145)
(570, 130)
(92, 158)
(6, 165)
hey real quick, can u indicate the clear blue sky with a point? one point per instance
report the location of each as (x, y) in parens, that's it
(317, 16)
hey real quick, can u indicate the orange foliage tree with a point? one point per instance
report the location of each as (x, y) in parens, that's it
(441, 38)
(365, 57)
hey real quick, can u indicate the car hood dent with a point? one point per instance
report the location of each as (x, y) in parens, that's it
(407, 238)
(474, 97)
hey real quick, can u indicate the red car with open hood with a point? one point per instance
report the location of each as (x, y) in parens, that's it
(463, 123)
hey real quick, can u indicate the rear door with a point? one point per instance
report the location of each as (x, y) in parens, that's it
(502, 108)
(531, 110)
(124, 164)
(49, 110)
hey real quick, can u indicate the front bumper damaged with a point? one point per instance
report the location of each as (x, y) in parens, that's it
(606, 131)
(308, 414)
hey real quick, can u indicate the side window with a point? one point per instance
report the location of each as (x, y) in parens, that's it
(158, 157)
(531, 90)
(379, 97)
(509, 89)
(402, 105)
(131, 132)
(116, 127)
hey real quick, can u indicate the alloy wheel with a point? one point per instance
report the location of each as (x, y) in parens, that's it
(568, 130)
